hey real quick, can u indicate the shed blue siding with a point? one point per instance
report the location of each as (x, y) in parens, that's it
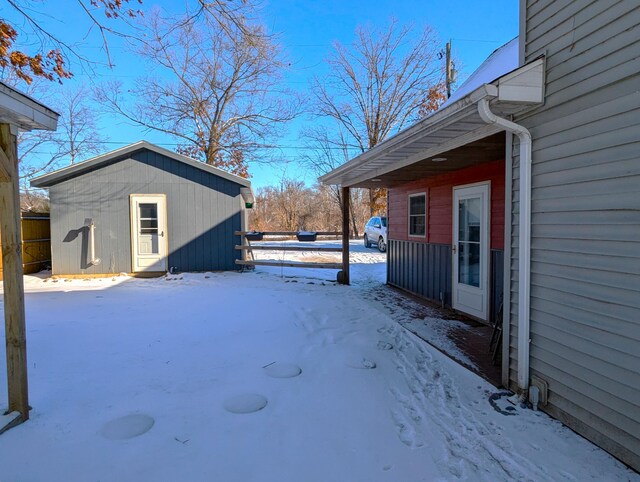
(203, 211)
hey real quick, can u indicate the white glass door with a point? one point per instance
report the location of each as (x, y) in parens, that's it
(471, 249)
(149, 232)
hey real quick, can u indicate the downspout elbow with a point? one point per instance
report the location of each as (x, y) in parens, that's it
(484, 110)
(524, 234)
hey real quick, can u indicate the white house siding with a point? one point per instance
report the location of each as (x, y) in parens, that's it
(585, 258)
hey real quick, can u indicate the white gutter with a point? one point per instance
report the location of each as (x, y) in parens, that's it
(247, 195)
(524, 241)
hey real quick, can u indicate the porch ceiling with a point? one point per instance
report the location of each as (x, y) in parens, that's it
(488, 149)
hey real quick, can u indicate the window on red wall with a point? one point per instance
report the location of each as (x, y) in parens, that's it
(418, 215)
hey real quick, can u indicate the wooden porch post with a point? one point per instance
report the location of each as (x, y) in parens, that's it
(346, 198)
(11, 238)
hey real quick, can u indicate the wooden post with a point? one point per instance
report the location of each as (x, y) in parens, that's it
(346, 198)
(11, 238)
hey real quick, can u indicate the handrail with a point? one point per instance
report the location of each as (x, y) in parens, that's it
(249, 248)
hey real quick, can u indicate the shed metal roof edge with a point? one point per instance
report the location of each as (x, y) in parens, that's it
(76, 169)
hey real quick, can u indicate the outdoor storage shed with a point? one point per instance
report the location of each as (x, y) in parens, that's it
(142, 208)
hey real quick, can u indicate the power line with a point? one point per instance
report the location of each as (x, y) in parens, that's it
(478, 40)
(171, 144)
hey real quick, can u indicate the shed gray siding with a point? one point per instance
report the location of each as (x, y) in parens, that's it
(203, 211)
(585, 233)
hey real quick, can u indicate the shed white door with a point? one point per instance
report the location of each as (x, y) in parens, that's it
(471, 249)
(149, 232)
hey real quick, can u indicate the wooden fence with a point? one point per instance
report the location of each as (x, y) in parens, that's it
(36, 244)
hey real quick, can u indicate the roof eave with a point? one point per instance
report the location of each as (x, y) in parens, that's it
(22, 111)
(486, 90)
(522, 87)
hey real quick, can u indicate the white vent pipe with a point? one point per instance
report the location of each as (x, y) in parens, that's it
(92, 245)
(524, 241)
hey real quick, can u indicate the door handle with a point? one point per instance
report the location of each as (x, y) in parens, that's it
(453, 249)
(162, 234)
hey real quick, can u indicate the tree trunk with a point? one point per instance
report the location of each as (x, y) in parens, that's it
(354, 223)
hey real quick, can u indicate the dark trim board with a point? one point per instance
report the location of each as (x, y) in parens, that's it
(496, 281)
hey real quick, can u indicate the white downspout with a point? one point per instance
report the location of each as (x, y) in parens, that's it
(524, 238)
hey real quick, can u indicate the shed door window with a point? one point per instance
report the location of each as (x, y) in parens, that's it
(148, 228)
(418, 215)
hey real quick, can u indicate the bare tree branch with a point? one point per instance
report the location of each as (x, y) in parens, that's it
(217, 89)
(375, 87)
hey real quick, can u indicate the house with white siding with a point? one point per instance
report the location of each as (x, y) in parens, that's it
(524, 191)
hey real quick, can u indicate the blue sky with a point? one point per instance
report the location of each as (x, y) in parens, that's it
(306, 31)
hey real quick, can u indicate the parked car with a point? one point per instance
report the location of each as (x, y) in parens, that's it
(375, 232)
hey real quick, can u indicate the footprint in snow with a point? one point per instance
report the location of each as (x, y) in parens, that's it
(245, 403)
(282, 370)
(389, 329)
(127, 427)
(362, 363)
(383, 345)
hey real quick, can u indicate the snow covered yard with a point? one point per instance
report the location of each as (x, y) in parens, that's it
(140, 380)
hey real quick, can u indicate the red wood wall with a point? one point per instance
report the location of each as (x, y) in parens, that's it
(440, 203)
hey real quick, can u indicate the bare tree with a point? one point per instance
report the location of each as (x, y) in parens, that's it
(30, 50)
(217, 90)
(77, 136)
(52, 50)
(34, 202)
(287, 206)
(376, 86)
(326, 153)
(291, 206)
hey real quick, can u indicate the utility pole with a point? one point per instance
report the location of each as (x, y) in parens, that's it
(449, 80)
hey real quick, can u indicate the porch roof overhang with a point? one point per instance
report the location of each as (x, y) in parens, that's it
(409, 154)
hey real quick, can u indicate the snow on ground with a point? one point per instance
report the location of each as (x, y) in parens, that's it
(268, 375)
(369, 269)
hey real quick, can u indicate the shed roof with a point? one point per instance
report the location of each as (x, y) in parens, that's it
(20, 110)
(76, 169)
